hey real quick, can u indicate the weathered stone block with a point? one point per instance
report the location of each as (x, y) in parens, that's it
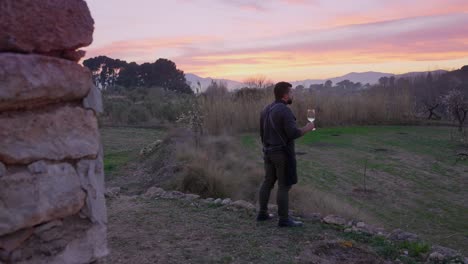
(46, 26)
(35, 80)
(56, 134)
(30, 199)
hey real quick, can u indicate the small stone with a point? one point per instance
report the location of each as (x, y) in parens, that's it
(446, 252)
(209, 199)
(191, 196)
(153, 192)
(112, 192)
(218, 201)
(226, 201)
(241, 204)
(3, 170)
(334, 220)
(400, 235)
(348, 230)
(436, 256)
(38, 167)
(360, 224)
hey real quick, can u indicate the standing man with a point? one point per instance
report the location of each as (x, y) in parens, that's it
(278, 131)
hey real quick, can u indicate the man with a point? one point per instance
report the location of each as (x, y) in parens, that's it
(278, 131)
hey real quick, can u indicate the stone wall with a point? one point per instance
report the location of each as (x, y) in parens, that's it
(52, 206)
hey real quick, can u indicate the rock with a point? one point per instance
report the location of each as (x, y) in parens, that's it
(30, 199)
(218, 201)
(154, 192)
(147, 150)
(360, 224)
(37, 167)
(86, 248)
(44, 227)
(46, 26)
(362, 227)
(272, 207)
(12, 241)
(446, 253)
(33, 80)
(91, 175)
(226, 201)
(56, 134)
(3, 169)
(191, 196)
(241, 204)
(94, 100)
(112, 192)
(209, 199)
(436, 256)
(400, 235)
(334, 220)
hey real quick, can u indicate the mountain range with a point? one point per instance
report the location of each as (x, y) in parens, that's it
(362, 77)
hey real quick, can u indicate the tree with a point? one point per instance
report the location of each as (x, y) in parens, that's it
(345, 84)
(105, 70)
(457, 106)
(383, 81)
(259, 81)
(328, 84)
(108, 72)
(130, 76)
(164, 73)
(299, 88)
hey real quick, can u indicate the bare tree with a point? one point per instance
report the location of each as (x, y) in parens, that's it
(258, 81)
(457, 106)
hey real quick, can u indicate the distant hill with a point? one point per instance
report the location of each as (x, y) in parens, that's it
(370, 77)
(205, 82)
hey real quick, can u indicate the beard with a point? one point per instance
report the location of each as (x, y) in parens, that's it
(289, 101)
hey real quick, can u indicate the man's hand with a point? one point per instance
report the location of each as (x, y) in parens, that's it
(308, 127)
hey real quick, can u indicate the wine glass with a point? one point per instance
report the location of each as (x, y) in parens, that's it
(311, 115)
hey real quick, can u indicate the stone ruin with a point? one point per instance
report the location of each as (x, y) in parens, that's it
(52, 206)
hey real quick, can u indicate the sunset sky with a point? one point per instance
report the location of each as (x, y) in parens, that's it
(284, 39)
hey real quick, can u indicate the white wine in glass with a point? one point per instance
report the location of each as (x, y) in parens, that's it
(311, 115)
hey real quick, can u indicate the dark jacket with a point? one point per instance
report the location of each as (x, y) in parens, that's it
(279, 133)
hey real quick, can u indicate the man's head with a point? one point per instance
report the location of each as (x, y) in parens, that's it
(283, 92)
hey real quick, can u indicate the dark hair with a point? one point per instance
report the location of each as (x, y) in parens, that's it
(281, 89)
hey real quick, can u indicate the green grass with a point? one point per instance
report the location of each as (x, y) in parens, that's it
(122, 145)
(410, 170)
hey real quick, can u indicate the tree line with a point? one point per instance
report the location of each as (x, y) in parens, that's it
(115, 74)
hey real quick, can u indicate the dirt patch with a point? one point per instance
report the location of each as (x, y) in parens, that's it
(331, 252)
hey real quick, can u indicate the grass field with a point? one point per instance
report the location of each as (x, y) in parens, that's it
(412, 179)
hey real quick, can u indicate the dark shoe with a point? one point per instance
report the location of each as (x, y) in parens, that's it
(264, 217)
(289, 223)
